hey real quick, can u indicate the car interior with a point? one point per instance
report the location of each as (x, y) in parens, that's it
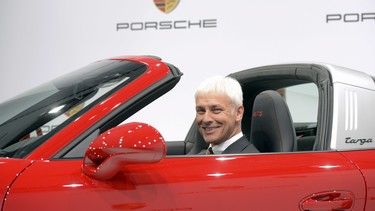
(275, 132)
(290, 99)
(278, 95)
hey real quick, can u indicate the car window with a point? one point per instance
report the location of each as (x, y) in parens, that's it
(303, 102)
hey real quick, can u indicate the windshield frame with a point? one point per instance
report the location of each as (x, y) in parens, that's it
(72, 89)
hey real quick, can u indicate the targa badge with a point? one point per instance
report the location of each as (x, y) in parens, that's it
(166, 6)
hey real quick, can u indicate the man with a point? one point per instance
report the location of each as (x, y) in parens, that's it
(219, 112)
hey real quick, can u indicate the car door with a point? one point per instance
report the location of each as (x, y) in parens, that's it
(14, 167)
(364, 160)
(294, 181)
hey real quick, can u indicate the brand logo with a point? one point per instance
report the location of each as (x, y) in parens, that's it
(257, 113)
(350, 17)
(360, 141)
(166, 25)
(166, 6)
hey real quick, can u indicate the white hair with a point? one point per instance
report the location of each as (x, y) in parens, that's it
(222, 85)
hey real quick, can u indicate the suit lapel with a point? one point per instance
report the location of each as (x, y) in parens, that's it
(237, 146)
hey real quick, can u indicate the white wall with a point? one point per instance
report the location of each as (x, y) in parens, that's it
(42, 39)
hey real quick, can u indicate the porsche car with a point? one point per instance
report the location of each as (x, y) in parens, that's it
(69, 144)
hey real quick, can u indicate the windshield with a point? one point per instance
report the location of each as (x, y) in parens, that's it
(29, 119)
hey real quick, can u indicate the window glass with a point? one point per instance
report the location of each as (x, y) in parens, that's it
(29, 119)
(302, 101)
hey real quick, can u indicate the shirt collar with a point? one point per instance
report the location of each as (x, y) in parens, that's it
(218, 149)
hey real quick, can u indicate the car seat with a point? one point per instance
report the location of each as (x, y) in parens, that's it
(272, 127)
(194, 141)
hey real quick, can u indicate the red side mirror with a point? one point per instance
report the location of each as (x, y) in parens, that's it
(125, 144)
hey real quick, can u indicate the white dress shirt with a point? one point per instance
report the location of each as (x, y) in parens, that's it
(218, 149)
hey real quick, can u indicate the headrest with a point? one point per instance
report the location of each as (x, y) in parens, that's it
(272, 127)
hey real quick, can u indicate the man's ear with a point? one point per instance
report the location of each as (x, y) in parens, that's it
(239, 113)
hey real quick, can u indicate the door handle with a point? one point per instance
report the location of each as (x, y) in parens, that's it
(329, 200)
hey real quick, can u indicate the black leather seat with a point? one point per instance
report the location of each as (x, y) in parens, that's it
(194, 141)
(272, 127)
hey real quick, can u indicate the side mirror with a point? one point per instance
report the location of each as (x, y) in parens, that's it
(125, 144)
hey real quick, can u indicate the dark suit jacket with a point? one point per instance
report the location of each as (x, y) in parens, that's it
(242, 145)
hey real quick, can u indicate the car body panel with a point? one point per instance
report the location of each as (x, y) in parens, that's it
(345, 75)
(364, 159)
(13, 168)
(258, 182)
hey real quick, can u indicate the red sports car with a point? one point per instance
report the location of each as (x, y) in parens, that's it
(67, 144)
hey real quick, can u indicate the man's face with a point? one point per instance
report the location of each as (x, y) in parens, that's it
(217, 118)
